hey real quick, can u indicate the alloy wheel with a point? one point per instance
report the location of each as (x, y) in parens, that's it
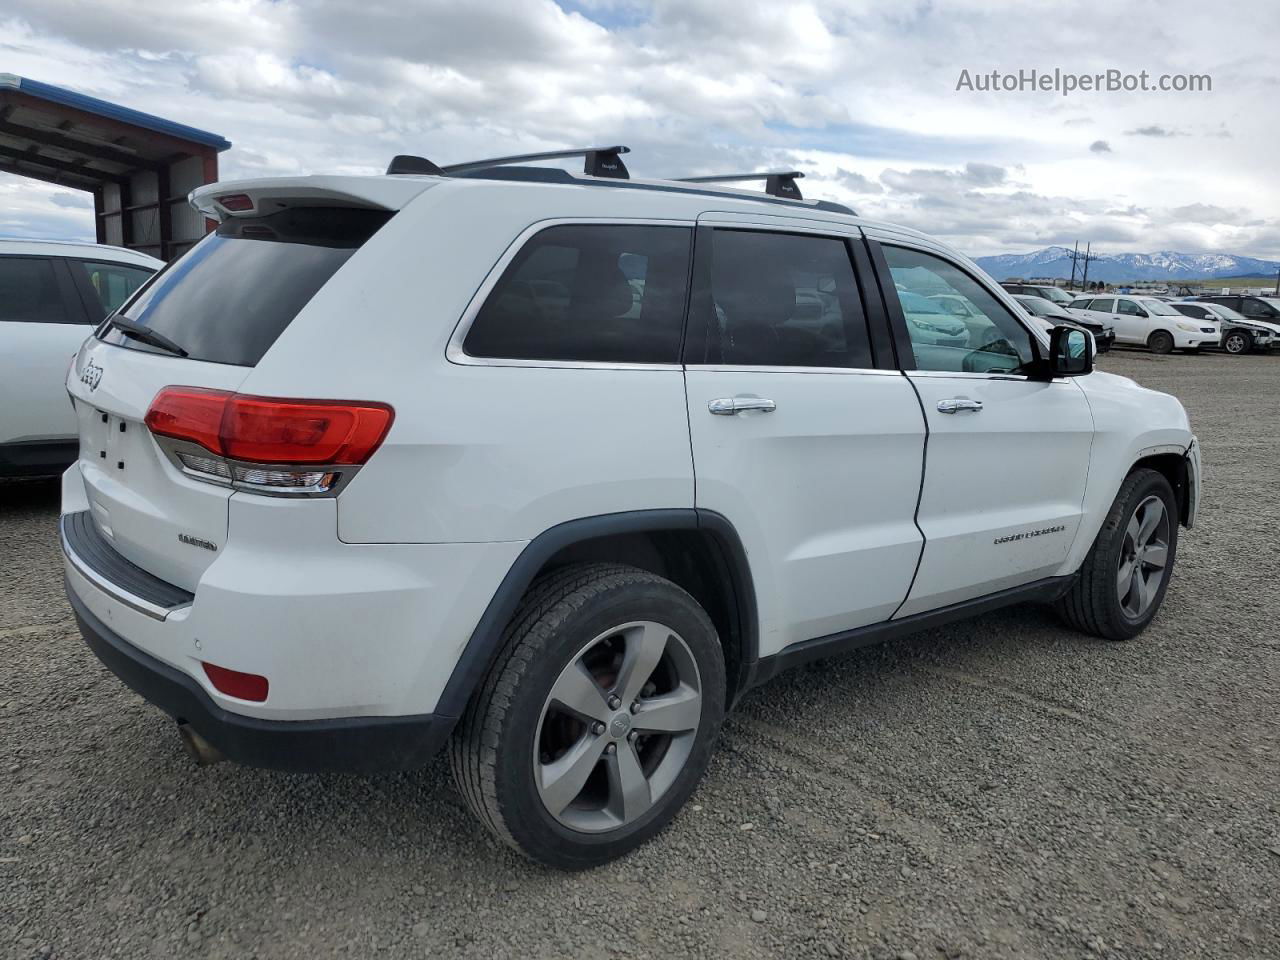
(1144, 556)
(617, 727)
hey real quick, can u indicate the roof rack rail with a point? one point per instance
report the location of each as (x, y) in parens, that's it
(598, 161)
(777, 184)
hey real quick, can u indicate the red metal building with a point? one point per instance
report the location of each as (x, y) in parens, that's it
(138, 167)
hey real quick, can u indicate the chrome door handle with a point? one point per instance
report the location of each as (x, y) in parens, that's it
(956, 404)
(728, 406)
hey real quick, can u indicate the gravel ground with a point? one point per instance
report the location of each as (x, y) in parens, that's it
(1001, 788)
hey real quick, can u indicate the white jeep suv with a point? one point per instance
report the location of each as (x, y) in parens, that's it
(549, 469)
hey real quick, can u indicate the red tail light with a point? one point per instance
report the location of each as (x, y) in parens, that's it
(245, 686)
(269, 430)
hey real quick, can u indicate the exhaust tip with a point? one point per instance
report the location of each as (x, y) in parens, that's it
(204, 753)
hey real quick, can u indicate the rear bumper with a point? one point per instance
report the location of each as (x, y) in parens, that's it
(354, 744)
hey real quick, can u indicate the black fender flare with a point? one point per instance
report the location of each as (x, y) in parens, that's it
(485, 642)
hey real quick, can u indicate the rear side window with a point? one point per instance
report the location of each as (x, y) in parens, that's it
(112, 283)
(231, 295)
(781, 300)
(29, 291)
(595, 293)
(1106, 305)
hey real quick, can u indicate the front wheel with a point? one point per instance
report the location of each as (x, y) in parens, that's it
(1237, 342)
(1160, 342)
(597, 721)
(1123, 580)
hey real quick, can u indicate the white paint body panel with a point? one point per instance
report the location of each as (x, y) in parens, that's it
(822, 492)
(995, 480)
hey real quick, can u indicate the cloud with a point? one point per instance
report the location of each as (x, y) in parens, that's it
(860, 96)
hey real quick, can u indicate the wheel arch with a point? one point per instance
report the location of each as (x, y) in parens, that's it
(698, 550)
(1173, 467)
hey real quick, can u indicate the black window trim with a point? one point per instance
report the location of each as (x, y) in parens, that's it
(870, 299)
(68, 292)
(898, 319)
(457, 354)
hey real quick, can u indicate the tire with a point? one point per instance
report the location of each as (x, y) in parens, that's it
(1237, 342)
(1095, 603)
(519, 751)
(1160, 342)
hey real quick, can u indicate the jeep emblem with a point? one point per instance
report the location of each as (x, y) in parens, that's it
(91, 376)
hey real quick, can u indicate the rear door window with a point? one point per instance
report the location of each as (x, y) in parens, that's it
(231, 295)
(781, 300)
(30, 292)
(111, 283)
(591, 293)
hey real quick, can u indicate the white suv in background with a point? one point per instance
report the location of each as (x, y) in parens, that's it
(51, 295)
(550, 469)
(1149, 322)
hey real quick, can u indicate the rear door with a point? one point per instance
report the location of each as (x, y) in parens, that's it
(42, 324)
(224, 303)
(804, 436)
(1008, 456)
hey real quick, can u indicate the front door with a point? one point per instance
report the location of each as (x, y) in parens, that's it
(809, 447)
(1008, 456)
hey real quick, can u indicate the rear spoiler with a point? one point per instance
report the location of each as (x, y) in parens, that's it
(232, 198)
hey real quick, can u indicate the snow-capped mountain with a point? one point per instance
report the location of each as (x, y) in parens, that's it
(1162, 265)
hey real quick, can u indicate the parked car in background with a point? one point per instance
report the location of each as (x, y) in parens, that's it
(1265, 309)
(1239, 333)
(1146, 321)
(962, 309)
(1103, 333)
(932, 321)
(51, 295)
(1054, 294)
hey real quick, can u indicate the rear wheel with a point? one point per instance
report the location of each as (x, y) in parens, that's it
(597, 720)
(1123, 580)
(1160, 342)
(1237, 341)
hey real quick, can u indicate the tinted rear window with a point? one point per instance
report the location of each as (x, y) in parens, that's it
(601, 293)
(229, 297)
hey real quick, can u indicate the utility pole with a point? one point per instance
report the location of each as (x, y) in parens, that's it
(1085, 282)
(1278, 283)
(1075, 255)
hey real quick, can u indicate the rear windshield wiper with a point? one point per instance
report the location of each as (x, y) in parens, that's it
(138, 332)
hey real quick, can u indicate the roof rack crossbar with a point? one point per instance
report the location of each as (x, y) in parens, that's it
(598, 161)
(777, 184)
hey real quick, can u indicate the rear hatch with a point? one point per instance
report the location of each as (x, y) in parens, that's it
(222, 304)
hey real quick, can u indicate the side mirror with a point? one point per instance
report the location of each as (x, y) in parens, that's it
(1070, 352)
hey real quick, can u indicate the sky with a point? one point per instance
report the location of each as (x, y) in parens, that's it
(861, 96)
